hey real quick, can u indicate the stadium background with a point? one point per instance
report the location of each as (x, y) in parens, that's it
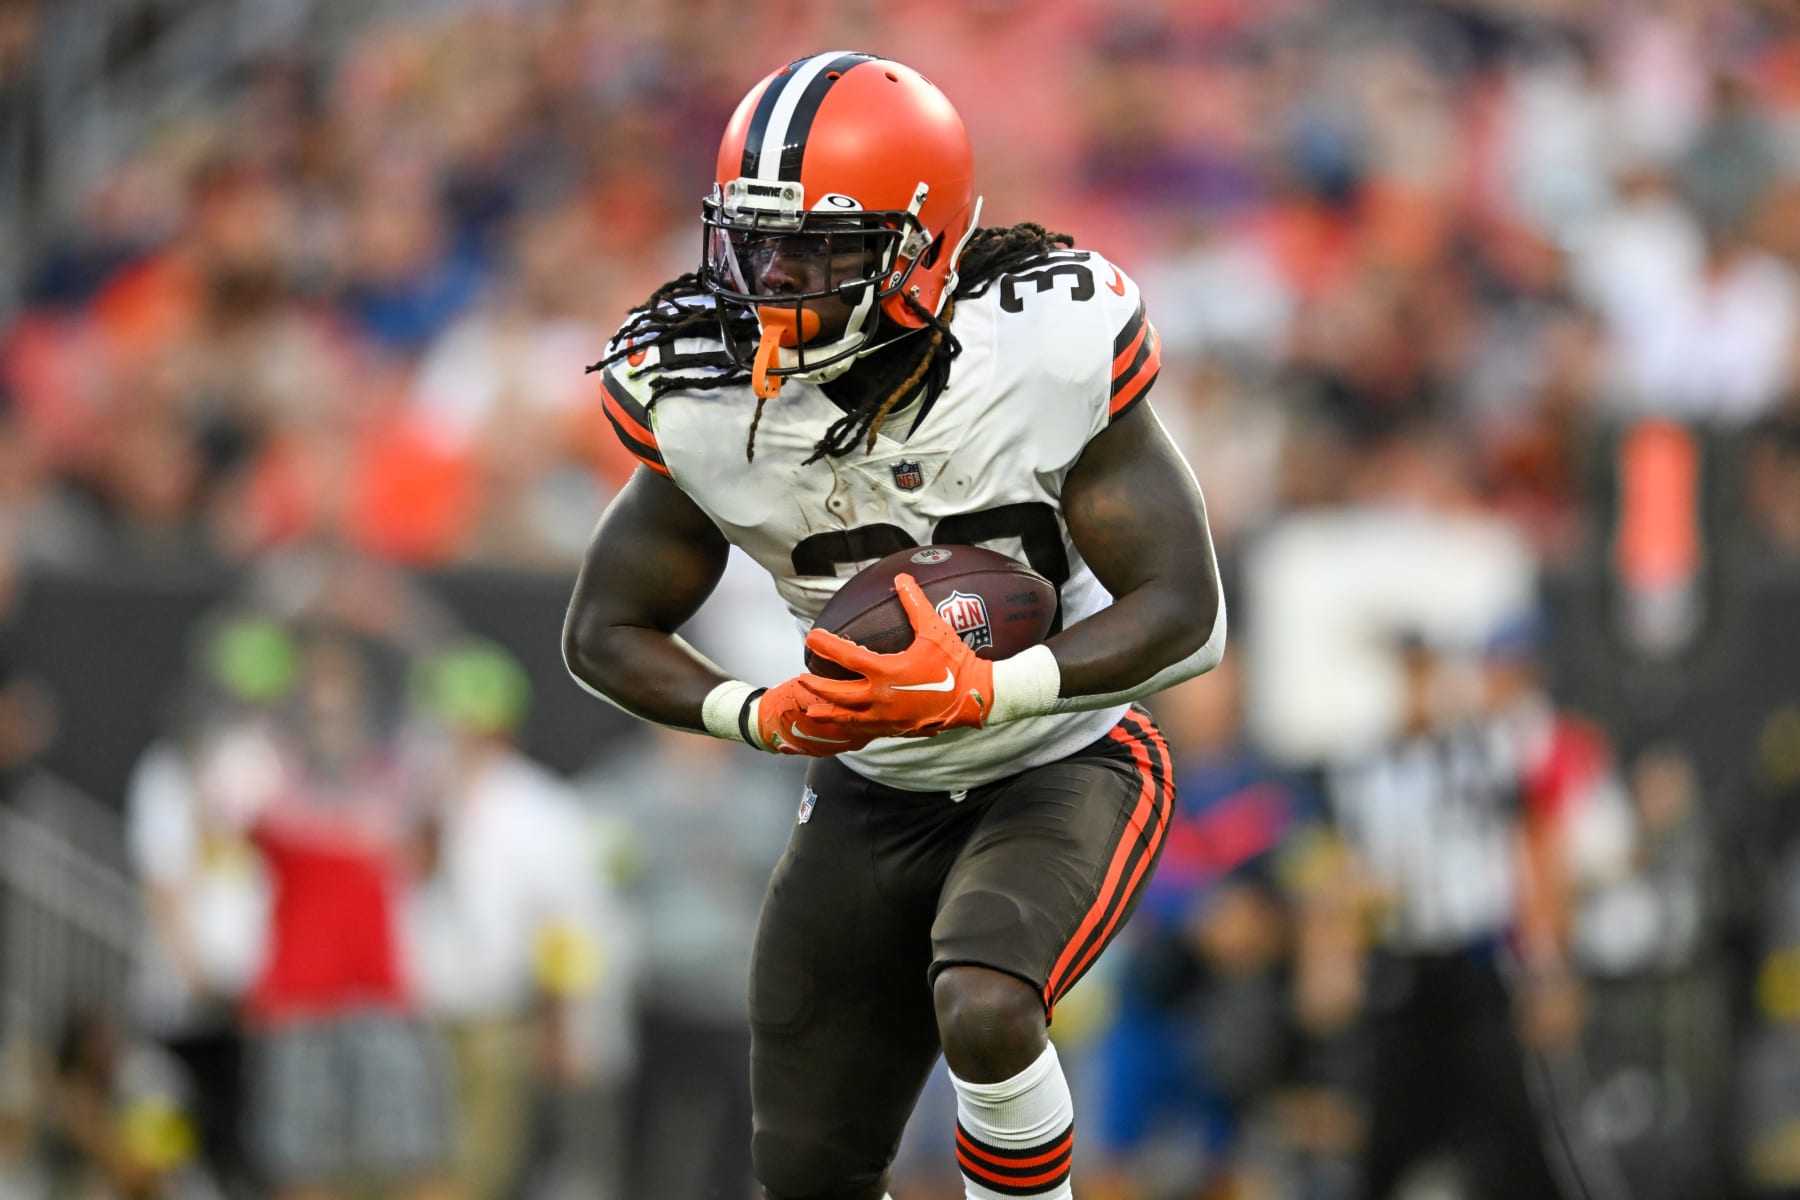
(1480, 329)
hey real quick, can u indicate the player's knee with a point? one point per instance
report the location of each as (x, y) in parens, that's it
(810, 1168)
(991, 1024)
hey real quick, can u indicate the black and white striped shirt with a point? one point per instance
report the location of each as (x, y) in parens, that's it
(1434, 819)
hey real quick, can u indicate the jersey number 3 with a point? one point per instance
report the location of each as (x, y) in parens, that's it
(1032, 522)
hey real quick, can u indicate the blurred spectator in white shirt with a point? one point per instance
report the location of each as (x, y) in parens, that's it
(520, 950)
(205, 898)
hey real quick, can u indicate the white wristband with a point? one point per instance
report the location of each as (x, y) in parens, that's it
(1025, 685)
(725, 712)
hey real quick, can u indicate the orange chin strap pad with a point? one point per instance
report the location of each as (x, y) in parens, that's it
(777, 332)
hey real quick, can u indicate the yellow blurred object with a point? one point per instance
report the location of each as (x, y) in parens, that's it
(158, 1134)
(1780, 746)
(1778, 986)
(1311, 860)
(567, 962)
(1775, 1156)
(227, 854)
(1083, 1013)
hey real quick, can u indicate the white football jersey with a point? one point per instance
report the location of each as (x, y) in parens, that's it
(1052, 353)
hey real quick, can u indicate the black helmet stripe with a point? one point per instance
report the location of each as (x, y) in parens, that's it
(776, 140)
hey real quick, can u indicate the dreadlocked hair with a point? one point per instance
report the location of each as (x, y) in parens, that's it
(992, 253)
(668, 315)
(672, 313)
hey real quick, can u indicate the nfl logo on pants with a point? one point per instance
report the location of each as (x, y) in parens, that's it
(967, 614)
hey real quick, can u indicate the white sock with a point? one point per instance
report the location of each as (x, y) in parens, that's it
(1016, 1137)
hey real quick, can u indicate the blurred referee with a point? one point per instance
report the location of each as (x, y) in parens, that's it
(1433, 820)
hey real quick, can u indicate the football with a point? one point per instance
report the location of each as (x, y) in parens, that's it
(1000, 606)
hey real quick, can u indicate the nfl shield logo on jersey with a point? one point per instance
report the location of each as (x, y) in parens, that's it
(967, 615)
(908, 474)
(808, 798)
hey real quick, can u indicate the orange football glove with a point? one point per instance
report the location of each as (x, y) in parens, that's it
(937, 683)
(784, 726)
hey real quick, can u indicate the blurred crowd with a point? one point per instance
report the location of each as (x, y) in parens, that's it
(1481, 328)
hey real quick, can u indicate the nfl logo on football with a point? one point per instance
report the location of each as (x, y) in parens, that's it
(967, 615)
(908, 474)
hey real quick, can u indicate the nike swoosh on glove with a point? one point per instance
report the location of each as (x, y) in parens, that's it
(937, 683)
(784, 726)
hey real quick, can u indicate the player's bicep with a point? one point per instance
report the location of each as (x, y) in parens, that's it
(1136, 515)
(654, 558)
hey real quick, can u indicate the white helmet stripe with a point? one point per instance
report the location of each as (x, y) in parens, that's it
(796, 87)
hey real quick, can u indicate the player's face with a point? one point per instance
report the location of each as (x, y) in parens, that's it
(820, 265)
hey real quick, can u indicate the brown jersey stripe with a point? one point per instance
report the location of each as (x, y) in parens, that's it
(631, 412)
(631, 422)
(1130, 362)
(1127, 338)
(648, 455)
(1126, 361)
(1131, 857)
(1126, 393)
(639, 452)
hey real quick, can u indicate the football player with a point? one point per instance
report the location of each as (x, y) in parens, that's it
(857, 368)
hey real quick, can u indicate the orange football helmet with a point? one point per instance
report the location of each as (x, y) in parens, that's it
(860, 168)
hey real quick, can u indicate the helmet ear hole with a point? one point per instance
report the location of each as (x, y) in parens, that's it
(929, 259)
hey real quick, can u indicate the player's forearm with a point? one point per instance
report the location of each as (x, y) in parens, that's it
(1144, 642)
(648, 673)
(1139, 637)
(653, 560)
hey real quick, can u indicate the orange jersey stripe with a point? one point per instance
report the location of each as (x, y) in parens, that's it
(631, 421)
(1056, 1148)
(1123, 359)
(624, 420)
(1146, 373)
(648, 455)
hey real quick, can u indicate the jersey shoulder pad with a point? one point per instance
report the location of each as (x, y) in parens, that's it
(1084, 321)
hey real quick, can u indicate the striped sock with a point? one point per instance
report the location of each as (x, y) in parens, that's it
(1016, 1137)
